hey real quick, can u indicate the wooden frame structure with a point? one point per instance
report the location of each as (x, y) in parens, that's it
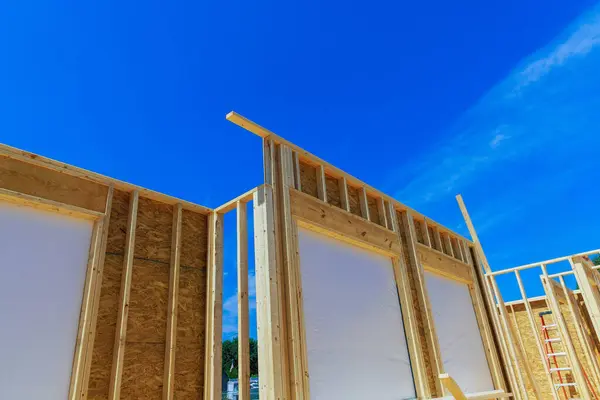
(302, 190)
(577, 343)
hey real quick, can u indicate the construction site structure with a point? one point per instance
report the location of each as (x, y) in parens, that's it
(150, 297)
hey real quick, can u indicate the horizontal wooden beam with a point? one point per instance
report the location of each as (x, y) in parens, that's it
(444, 265)
(329, 220)
(329, 169)
(40, 203)
(232, 204)
(34, 159)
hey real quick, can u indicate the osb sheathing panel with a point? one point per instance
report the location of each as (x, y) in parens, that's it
(308, 179)
(373, 211)
(37, 181)
(333, 191)
(189, 360)
(149, 297)
(417, 311)
(531, 350)
(419, 231)
(143, 368)
(189, 356)
(354, 200)
(102, 354)
(153, 230)
(193, 239)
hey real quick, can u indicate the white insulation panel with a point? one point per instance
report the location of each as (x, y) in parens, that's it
(43, 260)
(355, 336)
(460, 340)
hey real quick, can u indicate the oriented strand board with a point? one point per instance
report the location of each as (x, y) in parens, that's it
(153, 230)
(354, 200)
(143, 371)
(308, 179)
(419, 231)
(531, 350)
(189, 358)
(194, 239)
(37, 181)
(149, 297)
(117, 228)
(374, 211)
(102, 355)
(333, 191)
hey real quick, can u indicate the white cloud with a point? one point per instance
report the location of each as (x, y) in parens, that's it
(582, 37)
(230, 307)
(503, 130)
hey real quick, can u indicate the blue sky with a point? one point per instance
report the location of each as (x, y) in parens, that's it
(496, 100)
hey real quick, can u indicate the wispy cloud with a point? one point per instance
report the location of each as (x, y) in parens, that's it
(230, 307)
(531, 127)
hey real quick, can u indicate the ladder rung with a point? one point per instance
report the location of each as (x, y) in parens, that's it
(557, 385)
(549, 326)
(560, 369)
(562, 353)
(552, 340)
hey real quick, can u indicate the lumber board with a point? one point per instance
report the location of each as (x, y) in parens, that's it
(243, 303)
(171, 337)
(444, 265)
(58, 176)
(306, 157)
(332, 221)
(121, 331)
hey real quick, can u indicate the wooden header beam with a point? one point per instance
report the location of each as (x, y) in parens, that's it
(332, 170)
(30, 158)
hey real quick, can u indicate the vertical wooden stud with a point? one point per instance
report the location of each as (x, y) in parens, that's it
(588, 280)
(407, 226)
(297, 181)
(364, 203)
(426, 237)
(321, 183)
(269, 340)
(243, 304)
(382, 212)
(121, 328)
(214, 309)
(171, 339)
(89, 312)
(437, 239)
(406, 303)
(344, 193)
(297, 340)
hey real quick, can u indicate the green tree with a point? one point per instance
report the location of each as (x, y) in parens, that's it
(597, 260)
(230, 357)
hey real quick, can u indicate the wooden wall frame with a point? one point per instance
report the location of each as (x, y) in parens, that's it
(588, 280)
(363, 216)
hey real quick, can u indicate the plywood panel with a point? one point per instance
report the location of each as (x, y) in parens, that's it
(117, 227)
(143, 371)
(374, 211)
(153, 231)
(333, 191)
(148, 302)
(308, 179)
(102, 355)
(42, 182)
(189, 358)
(417, 311)
(354, 201)
(193, 239)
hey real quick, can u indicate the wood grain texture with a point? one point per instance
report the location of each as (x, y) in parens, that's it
(308, 179)
(33, 180)
(153, 231)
